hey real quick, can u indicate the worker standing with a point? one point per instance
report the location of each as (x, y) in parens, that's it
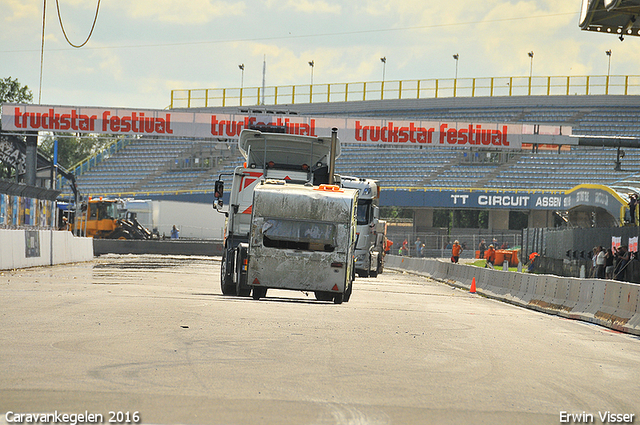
(455, 252)
(490, 255)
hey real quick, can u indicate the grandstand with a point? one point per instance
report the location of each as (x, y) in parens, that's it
(160, 167)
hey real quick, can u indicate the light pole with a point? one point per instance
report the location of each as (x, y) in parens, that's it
(608, 52)
(241, 81)
(384, 68)
(456, 57)
(530, 70)
(312, 64)
(455, 80)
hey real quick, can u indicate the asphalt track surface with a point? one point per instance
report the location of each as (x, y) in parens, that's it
(154, 335)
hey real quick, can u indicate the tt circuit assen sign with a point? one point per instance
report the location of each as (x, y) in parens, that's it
(167, 123)
(594, 196)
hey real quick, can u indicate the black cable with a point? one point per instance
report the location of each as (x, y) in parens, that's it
(95, 19)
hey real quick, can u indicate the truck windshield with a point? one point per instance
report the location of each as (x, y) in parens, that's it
(104, 211)
(364, 211)
(297, 234)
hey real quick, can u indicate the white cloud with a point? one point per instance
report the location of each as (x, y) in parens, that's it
(19, 9)
(183, 12)
(315, 6)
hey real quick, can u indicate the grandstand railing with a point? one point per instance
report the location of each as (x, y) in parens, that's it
(408, 89)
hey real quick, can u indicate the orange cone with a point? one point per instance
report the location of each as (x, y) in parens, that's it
(473, 286)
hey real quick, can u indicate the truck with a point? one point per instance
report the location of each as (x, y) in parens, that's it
(269, 154)
(302, 238)
(371, 231)
(107, 219)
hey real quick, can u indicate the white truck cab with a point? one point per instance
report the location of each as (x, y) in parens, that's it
(371, 231)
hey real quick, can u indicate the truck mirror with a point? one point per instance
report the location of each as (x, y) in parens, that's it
(218, 189)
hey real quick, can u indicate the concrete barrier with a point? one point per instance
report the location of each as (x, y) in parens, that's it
(609, 303)
(30, 248)
(162, 247)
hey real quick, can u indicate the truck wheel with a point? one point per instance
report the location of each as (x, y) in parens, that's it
(323, 296)
(259, 292)
(338, 298)
(347, 294)
(373, 273)
(226, 285)
(242, 291)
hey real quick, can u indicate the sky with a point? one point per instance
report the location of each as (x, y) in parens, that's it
(142, 49)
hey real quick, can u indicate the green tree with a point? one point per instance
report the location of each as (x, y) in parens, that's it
(73, 148)
(390, 213)
(12, 91)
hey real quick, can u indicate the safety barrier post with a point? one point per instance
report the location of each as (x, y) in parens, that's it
(587, 88)
(548, 86)
(626, 84)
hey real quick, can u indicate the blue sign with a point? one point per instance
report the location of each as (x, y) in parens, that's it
(595, 196)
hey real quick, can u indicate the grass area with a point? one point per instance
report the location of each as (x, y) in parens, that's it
(482, 263)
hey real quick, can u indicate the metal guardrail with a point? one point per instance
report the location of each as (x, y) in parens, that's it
(408, 89)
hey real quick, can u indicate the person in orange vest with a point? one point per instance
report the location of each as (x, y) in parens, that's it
(387, 246)
(455, 252)
(490, 256)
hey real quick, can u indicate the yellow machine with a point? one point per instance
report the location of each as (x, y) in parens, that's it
(108, 219)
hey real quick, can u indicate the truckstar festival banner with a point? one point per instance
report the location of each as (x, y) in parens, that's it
(168, 123)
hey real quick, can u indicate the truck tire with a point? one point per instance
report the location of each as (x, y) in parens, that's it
(259, 292)
(242, 289)
(338, 298)
(323, 296)
(347, 293)
(226, 282)
(374, 273)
